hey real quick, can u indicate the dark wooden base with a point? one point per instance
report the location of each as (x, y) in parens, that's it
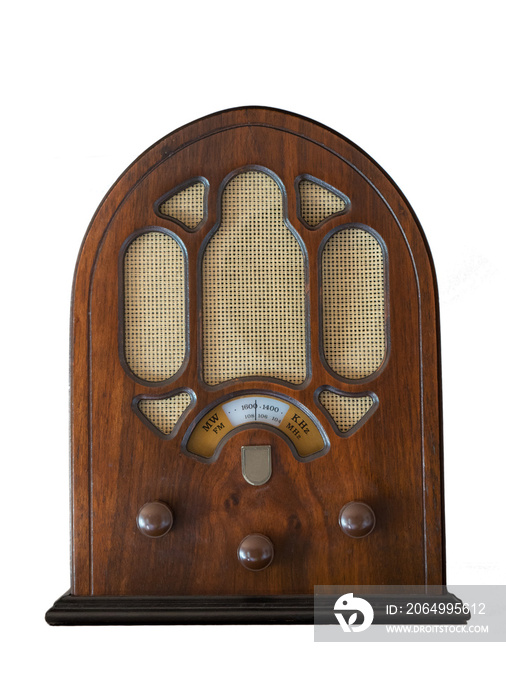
(229, 610)
(181, 610)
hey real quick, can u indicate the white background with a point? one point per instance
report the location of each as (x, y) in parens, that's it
(86, 88)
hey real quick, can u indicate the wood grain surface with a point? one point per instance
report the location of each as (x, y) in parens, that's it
(393, 462)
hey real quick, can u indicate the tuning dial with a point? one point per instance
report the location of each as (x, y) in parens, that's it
(255, 552)
(357, 519)
(155, 519)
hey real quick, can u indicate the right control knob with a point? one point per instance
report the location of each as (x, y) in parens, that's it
(357, 519)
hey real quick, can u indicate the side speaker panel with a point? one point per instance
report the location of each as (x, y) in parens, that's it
(353, 303)
(154, 306)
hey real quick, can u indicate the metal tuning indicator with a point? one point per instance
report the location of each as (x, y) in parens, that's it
(256, 464)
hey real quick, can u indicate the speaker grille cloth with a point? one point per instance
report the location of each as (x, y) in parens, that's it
(353, 273)
(186, 206)
(345, 410)
(154, 307)
(318, 203)
(165, 413)
(253, 288)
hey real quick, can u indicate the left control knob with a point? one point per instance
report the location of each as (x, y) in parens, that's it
(155, 519)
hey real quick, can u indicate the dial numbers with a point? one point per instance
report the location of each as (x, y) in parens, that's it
(294, 421)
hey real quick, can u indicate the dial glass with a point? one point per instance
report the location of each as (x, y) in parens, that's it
(295, 423)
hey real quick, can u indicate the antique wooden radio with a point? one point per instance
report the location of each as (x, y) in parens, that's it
(256, 400)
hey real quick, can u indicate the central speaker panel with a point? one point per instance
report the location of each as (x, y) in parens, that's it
(253, 287)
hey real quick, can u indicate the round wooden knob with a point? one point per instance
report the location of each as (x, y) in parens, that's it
(357, 519)
(255, 552)
(155, 519)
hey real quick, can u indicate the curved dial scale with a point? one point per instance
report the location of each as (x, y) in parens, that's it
(291, 419)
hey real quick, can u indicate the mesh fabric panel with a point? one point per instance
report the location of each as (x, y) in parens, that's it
(186, 206)
(253, 288)
(345, 410)
(165, 413)
(154, 306)
(354, 337)
(318, 203)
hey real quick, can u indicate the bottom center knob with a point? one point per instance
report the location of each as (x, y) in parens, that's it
(255, 552)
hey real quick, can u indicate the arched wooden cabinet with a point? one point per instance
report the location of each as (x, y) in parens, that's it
(255, 381)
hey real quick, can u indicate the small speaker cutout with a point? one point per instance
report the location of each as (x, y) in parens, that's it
(154, 288)
(347, 411)
(186, 206)
(164, 414)
(318, 201)
(353, 272)
(253, 287)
